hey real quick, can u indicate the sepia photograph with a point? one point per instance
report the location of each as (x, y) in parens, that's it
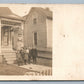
(25, 40)
(41, 42)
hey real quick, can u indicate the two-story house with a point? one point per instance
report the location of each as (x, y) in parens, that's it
(38, 28)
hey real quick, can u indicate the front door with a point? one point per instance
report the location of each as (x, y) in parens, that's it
(5, 40)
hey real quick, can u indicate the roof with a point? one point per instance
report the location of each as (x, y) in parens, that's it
(45, 11)
(7, 13)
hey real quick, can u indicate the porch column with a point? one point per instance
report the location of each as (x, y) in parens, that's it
(11, 39)
(0, 44)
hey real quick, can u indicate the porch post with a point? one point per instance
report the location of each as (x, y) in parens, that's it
(11, 39)
(0, 43)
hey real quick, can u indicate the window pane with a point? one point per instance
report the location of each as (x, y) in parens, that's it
(34, 21)
(35, 38)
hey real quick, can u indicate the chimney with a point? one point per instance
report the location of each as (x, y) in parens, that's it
(47, 9)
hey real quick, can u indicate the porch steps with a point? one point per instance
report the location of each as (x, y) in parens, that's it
(10, 56)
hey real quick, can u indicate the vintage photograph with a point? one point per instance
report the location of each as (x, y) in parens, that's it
(41, 42)
(25, 40)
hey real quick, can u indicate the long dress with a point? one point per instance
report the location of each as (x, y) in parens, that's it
(19, 58)
(26, 56)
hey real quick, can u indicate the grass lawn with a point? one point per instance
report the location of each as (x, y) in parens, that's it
(7, 69)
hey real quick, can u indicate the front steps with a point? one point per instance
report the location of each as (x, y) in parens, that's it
(9, 56)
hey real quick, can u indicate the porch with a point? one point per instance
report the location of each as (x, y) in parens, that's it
(9, 39)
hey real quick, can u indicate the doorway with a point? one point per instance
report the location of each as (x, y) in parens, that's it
(5, 36)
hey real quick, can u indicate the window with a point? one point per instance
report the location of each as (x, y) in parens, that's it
(35, 38)
(34, 21)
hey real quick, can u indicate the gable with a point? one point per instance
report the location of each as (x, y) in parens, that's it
(40, 11)
(34, 14)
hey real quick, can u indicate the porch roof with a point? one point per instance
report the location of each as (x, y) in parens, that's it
(7, 13)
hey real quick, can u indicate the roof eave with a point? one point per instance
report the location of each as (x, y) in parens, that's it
(12, 18)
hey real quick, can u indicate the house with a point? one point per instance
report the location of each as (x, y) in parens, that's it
(38, 28)
(10, 24)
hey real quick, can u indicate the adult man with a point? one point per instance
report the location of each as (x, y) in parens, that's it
(34, 55)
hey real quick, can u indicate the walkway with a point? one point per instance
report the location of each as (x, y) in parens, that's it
(37, 70)
(35, 67)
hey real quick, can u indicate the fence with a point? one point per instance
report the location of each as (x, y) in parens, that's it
(47, 72)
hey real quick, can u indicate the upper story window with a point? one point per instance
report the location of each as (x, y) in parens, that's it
(34, 21)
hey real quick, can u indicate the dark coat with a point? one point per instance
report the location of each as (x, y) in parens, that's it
(34, 52)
